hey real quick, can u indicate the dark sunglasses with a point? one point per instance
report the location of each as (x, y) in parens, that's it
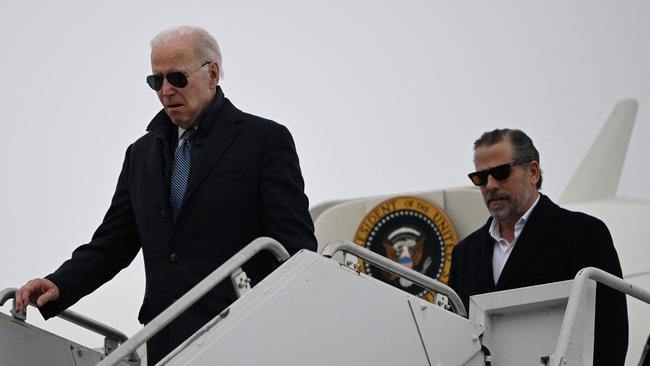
(176, 78)
(499, 172)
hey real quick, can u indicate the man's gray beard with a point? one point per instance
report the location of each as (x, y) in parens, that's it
(504, 214)
(512, 211)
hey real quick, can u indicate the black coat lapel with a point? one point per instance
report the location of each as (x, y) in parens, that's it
(213, 145)
(158, 167)
(532, 239)
(486, 273)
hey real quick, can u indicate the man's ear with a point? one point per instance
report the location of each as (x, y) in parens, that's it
(535, 173)
(214, 74)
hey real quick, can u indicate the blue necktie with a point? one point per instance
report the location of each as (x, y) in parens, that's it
(181, 171)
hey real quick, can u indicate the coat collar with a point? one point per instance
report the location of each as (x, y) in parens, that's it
(161, 125)
(217, 129)
(213, 141)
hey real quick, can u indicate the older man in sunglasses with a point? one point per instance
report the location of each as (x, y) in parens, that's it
(205, 180)
(529, 240)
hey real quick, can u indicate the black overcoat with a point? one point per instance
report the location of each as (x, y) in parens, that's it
(245, 182)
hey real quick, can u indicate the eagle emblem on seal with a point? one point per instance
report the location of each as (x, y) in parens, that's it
(413, 232)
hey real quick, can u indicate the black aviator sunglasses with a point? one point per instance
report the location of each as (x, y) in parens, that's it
(499, 172)
(176, 78)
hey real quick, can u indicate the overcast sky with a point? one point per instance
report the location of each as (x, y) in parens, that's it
(381, 97)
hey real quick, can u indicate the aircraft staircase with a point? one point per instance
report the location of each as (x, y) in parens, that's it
(314, 310)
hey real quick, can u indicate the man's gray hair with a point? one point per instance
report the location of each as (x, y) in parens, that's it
(207, 47)
(524, 150)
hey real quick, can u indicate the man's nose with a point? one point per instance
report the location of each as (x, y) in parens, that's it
(491, 183)
(167, 88)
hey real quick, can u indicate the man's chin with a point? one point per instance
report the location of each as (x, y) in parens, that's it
(181, 122)
(497, 206)
(500, 214)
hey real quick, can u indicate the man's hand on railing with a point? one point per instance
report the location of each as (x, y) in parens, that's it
(39, 291)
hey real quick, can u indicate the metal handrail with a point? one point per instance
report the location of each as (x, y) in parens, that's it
(80, 320)
(7, 294)
(575, 302)
(390, 266)
(194, 294)
(90, 324)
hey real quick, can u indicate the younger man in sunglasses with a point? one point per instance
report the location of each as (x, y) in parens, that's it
(204, 181)
(529, 240)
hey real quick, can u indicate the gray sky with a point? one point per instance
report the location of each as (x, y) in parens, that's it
(381, 97)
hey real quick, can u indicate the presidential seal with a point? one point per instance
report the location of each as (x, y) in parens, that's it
(413, 232)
